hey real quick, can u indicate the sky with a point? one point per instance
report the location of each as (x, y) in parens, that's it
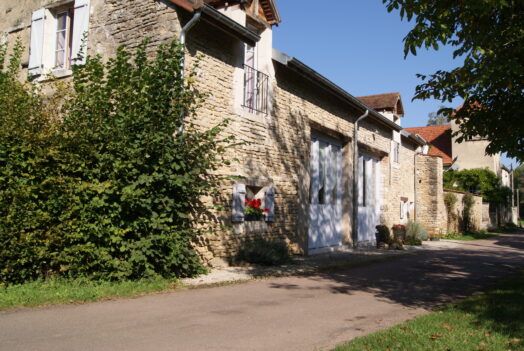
(358, 45)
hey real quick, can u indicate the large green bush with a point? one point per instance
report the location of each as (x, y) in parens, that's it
(106, 190)
(478, 181)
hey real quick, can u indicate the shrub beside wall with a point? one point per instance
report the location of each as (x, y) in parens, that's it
(107, 190)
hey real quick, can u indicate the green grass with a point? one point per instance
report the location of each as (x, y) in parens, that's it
(61, 291)
(493, 320)
(470, 236)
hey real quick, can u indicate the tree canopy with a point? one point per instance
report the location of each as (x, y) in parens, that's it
(438, 118)
(478, 181)
(488, 35)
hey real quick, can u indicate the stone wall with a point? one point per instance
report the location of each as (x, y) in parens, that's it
(399, 186)
(456, 223)
(430, 210)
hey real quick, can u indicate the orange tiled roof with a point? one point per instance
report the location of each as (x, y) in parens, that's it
(440, 139)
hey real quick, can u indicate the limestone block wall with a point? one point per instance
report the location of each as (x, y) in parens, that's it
(486, 218)
(400, 186)
(430, 209)
(477, 213)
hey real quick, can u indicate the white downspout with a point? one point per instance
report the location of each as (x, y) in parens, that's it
(354, 233)
(183, 34)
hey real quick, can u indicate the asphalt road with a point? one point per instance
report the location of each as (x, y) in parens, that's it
(298, 313)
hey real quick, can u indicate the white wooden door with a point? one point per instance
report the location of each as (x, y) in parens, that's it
(369, 198)
(325, 202)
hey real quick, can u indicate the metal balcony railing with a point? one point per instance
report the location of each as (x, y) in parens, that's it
(256, 92)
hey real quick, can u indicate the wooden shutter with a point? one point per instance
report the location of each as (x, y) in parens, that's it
(269, 202)
(314, 173)
(80, 27)
(37, 42)
(239, 195)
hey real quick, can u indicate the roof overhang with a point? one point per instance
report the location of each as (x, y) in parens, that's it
(219, 20)
(324, 83)
(413, 137)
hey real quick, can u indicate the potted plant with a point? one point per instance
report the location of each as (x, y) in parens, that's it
(399, 232)
(382, 236)
(253, 210)
(434, 236)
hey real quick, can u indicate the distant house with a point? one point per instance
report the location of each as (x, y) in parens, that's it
(471, 153)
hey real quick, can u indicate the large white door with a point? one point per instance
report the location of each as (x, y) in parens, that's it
(325, 195)
(369, 198)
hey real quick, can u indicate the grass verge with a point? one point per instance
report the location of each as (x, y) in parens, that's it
(493, 320)
(61, 291)
(470, 236)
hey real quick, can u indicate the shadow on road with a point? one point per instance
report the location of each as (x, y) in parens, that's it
(432, 278)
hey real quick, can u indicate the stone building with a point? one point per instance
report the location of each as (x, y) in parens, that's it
(298, 127)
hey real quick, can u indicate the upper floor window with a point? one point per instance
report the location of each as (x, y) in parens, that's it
(255, 84)
(395, 151)
(57, 35)
(64, 36)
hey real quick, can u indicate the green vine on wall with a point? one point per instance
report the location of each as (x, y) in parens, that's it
(450, 200)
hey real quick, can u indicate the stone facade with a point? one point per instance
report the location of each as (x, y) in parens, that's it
(477, 212)
(275, 147)
(430, 211)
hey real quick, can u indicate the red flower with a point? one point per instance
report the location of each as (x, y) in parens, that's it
(267, 210)
(246, 201)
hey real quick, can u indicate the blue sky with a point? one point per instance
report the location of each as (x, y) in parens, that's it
(358, 45)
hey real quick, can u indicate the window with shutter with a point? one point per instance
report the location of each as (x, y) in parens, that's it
(239, 195)
(57, 38)
(269, 202)
(37, 42)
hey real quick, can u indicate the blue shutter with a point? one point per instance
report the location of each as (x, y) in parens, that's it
(239, 195)
(269, 202)
(36, 47)
(80, 27)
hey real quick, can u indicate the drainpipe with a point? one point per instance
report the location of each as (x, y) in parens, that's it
(183, 34)
(415, 184)
(354, 233)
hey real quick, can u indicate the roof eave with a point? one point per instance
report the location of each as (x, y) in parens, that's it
(329, 86)
(415, 137)
(219, 20)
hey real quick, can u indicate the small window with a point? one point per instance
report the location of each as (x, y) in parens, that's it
(64, 38)
(57, 38)
(395, 151)
(256, 84)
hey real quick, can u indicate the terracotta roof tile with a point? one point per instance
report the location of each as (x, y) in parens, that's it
(382, 101)
(440, 139)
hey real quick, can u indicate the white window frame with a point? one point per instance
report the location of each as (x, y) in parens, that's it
(395, 152)
(251, 87)
(43, 46)
(67, 50)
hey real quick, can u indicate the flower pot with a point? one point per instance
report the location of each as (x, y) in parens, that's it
(399, 235)
(252, 217)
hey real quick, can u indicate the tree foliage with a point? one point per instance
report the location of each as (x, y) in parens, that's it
(438, 118)
(488, 35)
(478, 181)
(107, 190)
